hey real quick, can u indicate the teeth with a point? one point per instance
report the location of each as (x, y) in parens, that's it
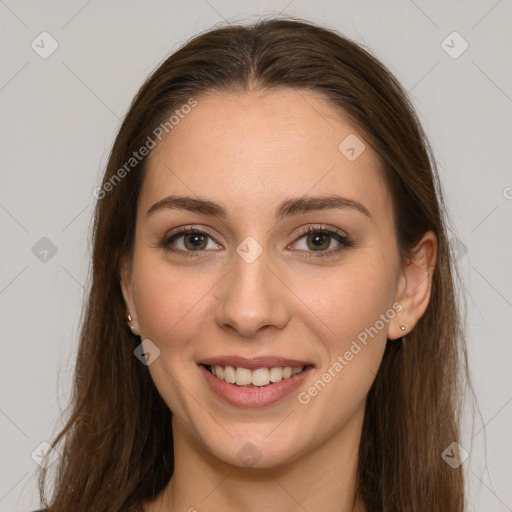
(259, 377)
(276, 374)
(229, 374)
(243, 377)
(219, 372)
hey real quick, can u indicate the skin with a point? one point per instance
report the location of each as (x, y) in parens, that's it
(251, 152)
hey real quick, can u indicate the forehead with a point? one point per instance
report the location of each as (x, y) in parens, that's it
(256, 148)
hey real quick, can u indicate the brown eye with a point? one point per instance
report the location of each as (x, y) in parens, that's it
(318, 241)
(195, 241)
(322, 241)
(189, 240)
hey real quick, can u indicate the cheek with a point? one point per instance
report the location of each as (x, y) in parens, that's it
(350, 314)
(349, 323)
(351, 300)
(170, 301)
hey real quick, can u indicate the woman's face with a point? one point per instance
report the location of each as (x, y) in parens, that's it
(250, 288)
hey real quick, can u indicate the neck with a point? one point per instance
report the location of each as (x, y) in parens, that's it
(324, 479)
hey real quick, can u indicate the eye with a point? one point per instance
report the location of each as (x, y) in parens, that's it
(321, 240)
(187, 240)
(314, 242)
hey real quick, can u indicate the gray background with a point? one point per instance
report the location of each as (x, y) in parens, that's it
(60, 114)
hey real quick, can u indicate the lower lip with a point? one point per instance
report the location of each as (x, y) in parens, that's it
(256, 396)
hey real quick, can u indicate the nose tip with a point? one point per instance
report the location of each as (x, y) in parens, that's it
(251, 299)
(247, 327)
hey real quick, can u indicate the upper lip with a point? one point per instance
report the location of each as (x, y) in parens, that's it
(254, 362)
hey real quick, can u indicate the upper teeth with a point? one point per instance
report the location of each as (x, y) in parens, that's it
(258, 377)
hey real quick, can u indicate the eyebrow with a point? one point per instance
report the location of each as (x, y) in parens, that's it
(288, 208)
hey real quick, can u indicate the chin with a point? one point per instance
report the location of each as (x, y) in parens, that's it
(256, 451)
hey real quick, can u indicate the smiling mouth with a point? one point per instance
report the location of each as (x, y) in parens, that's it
(259, 377)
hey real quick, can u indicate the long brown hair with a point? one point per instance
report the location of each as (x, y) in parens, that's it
(117, 446)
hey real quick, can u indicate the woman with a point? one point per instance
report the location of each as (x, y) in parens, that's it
(272, 320)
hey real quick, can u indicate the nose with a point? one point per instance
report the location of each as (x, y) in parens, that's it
(251, 298)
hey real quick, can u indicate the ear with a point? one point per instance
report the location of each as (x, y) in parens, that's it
(414, 286)
(125, 271)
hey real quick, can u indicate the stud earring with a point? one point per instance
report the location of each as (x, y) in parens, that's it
(129, 317)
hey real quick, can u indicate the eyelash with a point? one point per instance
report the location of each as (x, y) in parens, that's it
(343, 240)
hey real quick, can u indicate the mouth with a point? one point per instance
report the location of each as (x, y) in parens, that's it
(258, 377)
(254, 382)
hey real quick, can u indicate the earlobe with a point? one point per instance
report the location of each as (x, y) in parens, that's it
(127, 291)
(415, 286)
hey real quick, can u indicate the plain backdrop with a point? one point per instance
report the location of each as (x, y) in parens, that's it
(59, 114)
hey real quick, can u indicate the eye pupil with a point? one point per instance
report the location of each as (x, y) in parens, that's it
(319, 240)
